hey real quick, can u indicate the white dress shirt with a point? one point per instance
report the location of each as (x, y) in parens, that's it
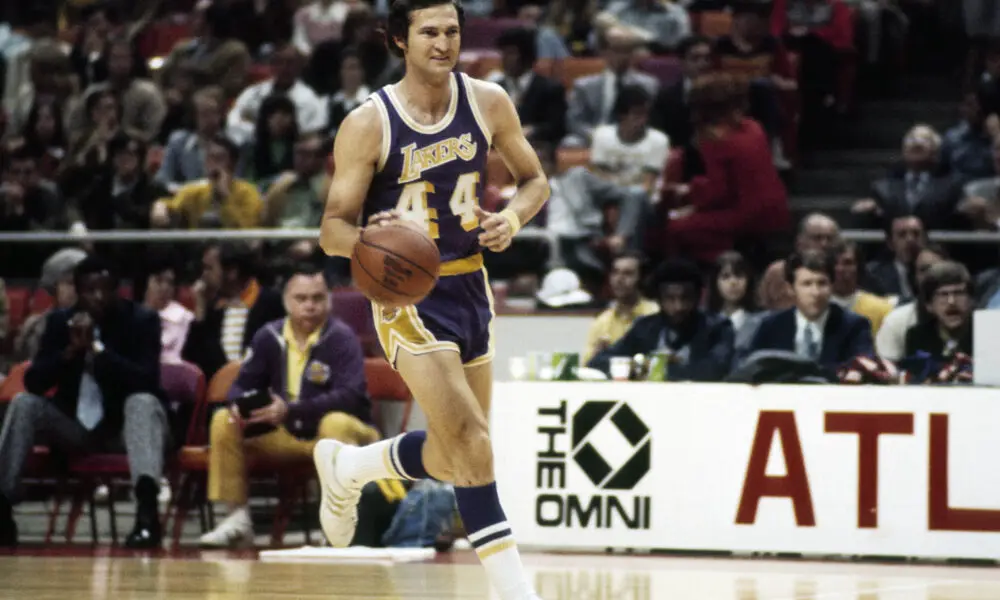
(817, 327)
(310, 110)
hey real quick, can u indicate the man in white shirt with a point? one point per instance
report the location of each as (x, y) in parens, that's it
(310, 110)
(629, 153)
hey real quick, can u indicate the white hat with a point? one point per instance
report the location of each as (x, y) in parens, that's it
(561, 287)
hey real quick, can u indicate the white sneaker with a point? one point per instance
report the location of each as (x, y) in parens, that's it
(338, 510)
(235, 531)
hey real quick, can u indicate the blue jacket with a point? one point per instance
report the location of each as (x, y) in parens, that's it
(333, 380)
(845, 335)
(711, 349)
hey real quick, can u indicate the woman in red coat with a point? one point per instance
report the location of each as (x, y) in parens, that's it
(740, 197)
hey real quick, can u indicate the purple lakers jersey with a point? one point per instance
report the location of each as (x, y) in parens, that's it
(433, 174)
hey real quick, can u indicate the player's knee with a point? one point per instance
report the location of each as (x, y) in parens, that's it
(474, 456)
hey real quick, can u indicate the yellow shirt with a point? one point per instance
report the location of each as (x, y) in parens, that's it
(875, 308)
(241, 210)
(297, 359)
(612, 324)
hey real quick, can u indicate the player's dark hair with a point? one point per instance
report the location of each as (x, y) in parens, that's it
(632, 96)
(400, 17)
(817, 261)
(522, 39)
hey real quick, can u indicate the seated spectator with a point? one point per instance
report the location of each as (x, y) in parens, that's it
(160, 294)
(890, 343)
(352, 93)
(49, 80)
(88, 150)
(44, 137)
(312, 366)
(57, 280)
(27, 203)
(741, 197)
(593, 97)
(540, 101)
(628, 152)
(318, 21)
(142, 104)
(816, 232)
(230, 306)
(575, 215)
(967, 149)
(184, 156)
(662, 25)
(814, 328)
(310, 110)
(671, 111)
(269, 151)
(183, 83)
(225, 61)
(946, 294)
(700, 343)
(573, 21)
(918, 187)
(102, 358)
(627, 306)
(982, 197)
(847, 290)
(730, 294)
(892, 274)
(222, 201)
(89, 54)
(549, 44)
(362, 35)
(296, 198)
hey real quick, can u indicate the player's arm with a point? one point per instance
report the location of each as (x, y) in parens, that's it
(521, 160)
(355, 155)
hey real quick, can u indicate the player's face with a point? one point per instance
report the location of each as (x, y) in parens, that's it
(434, 39)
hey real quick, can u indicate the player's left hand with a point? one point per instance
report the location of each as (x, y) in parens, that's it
(497, 232)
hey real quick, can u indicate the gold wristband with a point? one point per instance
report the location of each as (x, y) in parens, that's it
(513, 219)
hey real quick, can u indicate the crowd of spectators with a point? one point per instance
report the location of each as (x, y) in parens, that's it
(665, 126)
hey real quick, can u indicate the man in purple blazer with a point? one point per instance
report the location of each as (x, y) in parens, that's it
(312, 366)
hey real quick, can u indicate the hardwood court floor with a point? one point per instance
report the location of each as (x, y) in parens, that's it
(558, 577)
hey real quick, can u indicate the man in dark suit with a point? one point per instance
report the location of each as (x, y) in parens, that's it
(671, 112)
(892, 275)
(540, 101)
(102, 358)
(701, 343)
(814, 328)
(230, 306)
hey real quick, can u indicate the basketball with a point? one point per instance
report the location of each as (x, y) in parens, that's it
(395, 265)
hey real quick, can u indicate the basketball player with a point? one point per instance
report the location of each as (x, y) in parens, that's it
(416, 151)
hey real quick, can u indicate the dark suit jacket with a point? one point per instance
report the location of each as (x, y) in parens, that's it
(129, 364)
(543, 106)
(845, 336)
(671, 114)
(711, 348)
(883, 278)
(936, 206)
(924, 337)
(203, 346)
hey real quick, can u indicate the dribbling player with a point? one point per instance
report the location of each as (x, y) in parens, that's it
(416, 151)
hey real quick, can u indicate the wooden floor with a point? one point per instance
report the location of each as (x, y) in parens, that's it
(31, 575)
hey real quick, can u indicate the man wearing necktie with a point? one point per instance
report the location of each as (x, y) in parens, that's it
(814, 328)
(93, 386)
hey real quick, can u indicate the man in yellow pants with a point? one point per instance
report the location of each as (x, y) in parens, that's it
(313, 366)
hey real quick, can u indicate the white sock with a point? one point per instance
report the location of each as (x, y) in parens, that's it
(503, 565)
(369, 463)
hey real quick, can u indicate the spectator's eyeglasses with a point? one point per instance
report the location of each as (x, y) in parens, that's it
(951, 295)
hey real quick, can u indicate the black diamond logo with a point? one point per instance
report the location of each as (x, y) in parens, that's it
(589, 459)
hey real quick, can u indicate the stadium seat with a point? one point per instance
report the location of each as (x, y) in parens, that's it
(386, 385)
(713, 24)
(575, 68)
